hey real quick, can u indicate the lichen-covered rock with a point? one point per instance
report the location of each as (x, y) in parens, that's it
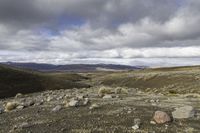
(183, 112)
(161, 117)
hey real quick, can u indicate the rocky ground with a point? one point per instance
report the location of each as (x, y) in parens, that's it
(99, 110)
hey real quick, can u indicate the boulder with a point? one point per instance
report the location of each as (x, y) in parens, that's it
(161, 117)
(10, 106)
(183, 112)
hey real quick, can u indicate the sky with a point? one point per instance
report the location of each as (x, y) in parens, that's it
(130, 32)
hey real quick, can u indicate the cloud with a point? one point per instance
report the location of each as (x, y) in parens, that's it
(60, 30)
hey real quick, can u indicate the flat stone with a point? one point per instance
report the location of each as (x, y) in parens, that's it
(57, 108)
(152, 122)
(25, 125)
(107, 97)
(161, 117)
(183, 112)
(94, 106)
(135, 127)
(28, 103)
(20, 107)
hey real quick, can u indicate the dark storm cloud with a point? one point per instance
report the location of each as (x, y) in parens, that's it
(80, 29)
(97, 12)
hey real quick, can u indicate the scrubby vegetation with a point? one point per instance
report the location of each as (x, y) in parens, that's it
(103, 90)
(13, 81)
(181, 80)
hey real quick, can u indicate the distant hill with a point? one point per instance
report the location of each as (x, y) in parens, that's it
(72, 67)
(14, 80)
(177, 80)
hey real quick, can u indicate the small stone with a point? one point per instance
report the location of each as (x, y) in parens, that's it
(152, 122)
(129, 112)
(73, 103)
(39, 103)
(135, 127)
(59, 98)
(86, 101)
(1, 110)
(10, 106)
(20, 107)
(94, 106)
(152, 101)
(183, 112)
(57, 108)
(161, 117)
(80, 97)
(19, 95)
(28, 103)
(120, 90)
(137, 121)
(107, 97)
(49, 99)
(24, 125)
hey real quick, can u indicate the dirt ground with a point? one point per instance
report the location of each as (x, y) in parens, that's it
(114, 115)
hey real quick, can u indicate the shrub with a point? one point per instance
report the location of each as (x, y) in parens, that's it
(104, 90)
(120, 90)
(172, 92)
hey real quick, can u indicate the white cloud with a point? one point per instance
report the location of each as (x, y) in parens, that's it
(120, 29)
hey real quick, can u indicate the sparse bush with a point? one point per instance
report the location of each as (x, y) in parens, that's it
(121, 90)
(172, 92)
(104, 90)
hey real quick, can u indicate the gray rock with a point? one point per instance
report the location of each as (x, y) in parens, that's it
(25, 125)
(73, 103)
(135, 127)
(1, 110)
(137, 121)
(18, 95)
(86, 101)
(28, 103)
(94, 106)
(183, 112)
(107, 97)
(57, 108)
(80, 97)
(20, 107)
(152, 122)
